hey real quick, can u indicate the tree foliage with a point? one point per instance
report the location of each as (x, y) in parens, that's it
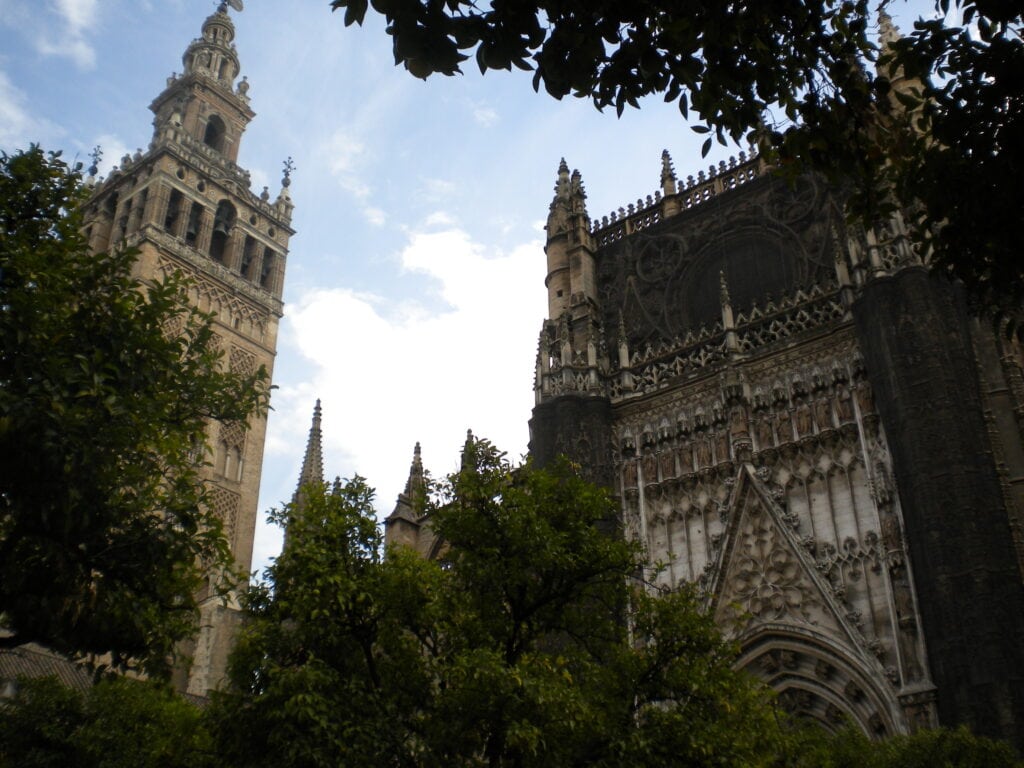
(530, 643)
(119, 723)
(107, 386)
(936, 128)
(810, 747)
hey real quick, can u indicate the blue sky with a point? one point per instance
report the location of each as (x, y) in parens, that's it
(415, 284)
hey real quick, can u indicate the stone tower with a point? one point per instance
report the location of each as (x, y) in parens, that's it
(186, 206)
(801, 418)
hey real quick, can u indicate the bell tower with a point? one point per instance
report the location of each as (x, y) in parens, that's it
(187, 206)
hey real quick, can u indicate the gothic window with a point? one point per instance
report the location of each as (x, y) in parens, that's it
(223, 222)
(215, 134)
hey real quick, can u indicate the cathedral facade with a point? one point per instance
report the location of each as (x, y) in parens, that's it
(187, 207)
(799, 417)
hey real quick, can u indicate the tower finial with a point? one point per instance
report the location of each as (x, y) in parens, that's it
(96, 156)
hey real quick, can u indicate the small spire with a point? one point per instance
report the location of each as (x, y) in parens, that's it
(723, 290)
(415, 481)
(888, 32)
(408, 505)
(313, 462)
(668, 174)
(562, 182)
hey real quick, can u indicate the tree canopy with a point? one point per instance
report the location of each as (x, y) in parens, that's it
(529, 643)
(107, 386)
(932, 122)
(119, 723)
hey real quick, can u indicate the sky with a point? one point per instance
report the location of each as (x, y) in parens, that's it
(414, 289)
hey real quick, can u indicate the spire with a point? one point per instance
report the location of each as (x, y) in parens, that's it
(558, 211)
(888, 32)
(313, 462)
(728, 323)
(407, 507)
(467, 448)
(723, 290)
(668, 174)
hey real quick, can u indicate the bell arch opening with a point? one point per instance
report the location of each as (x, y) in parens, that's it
(215, 136)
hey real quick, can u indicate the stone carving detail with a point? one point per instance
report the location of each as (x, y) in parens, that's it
(765, 239)
(232, 434)
(224, 504)
(233, 311)
(242, 362)
(767, 580)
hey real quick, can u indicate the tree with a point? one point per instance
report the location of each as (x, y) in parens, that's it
(529, 643)
(107, 385)
(937, 129)
(116, 724)
(810, 747)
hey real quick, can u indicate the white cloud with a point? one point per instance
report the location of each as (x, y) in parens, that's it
(18, 126)
(346, 158)
(375, 216)
(439, 219)
(437, 189)
(114, 149)
(76, 20)
(79, 15)
(393, 374)
(485, 116)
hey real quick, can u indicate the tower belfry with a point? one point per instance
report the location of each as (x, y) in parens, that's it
(187, 206)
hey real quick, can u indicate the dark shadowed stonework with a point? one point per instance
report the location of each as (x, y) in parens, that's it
(796, 416)
(915, 333)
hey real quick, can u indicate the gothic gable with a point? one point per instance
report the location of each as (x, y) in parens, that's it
(763, 576)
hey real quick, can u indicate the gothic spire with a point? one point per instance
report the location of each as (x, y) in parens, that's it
(668, 174)
(313, 463)
(888, 32)
(406, 507)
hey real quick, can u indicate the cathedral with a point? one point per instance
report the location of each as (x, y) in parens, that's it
(799, 417)
(792, 412)
(187, 206)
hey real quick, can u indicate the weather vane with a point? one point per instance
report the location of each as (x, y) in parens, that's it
(236, 4)
(289, 166)
(96, 156)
